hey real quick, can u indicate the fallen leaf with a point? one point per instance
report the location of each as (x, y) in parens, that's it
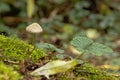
(54, 67)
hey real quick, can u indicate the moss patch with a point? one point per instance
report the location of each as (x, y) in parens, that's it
(89, 72)
(86, 72)
(7, 73)
(17, 50)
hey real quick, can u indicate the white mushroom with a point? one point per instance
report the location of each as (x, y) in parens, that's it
(34, 28)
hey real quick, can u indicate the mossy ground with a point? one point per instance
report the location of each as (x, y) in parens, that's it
(17, 50)
(89, 72)
(8, 73)
(13, 49)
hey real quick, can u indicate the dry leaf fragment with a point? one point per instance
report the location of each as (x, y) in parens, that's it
(54, 67)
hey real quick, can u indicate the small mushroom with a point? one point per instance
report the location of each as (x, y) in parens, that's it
(35, 29)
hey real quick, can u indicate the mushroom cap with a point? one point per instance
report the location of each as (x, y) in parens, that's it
(34, 28)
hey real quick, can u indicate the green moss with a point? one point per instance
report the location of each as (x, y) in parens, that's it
(17, 50)
(91, 73)
(7, 73)
(86, 72)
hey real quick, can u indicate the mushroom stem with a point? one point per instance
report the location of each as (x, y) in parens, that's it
(34, 39)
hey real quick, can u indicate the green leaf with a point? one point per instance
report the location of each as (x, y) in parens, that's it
(6, 29)
(86, 45)
(98, 49)
(82, 33)
(4, 7)
(54, 67)
(115, 62)
(58, 1)
(49, 46)
(81, 43)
